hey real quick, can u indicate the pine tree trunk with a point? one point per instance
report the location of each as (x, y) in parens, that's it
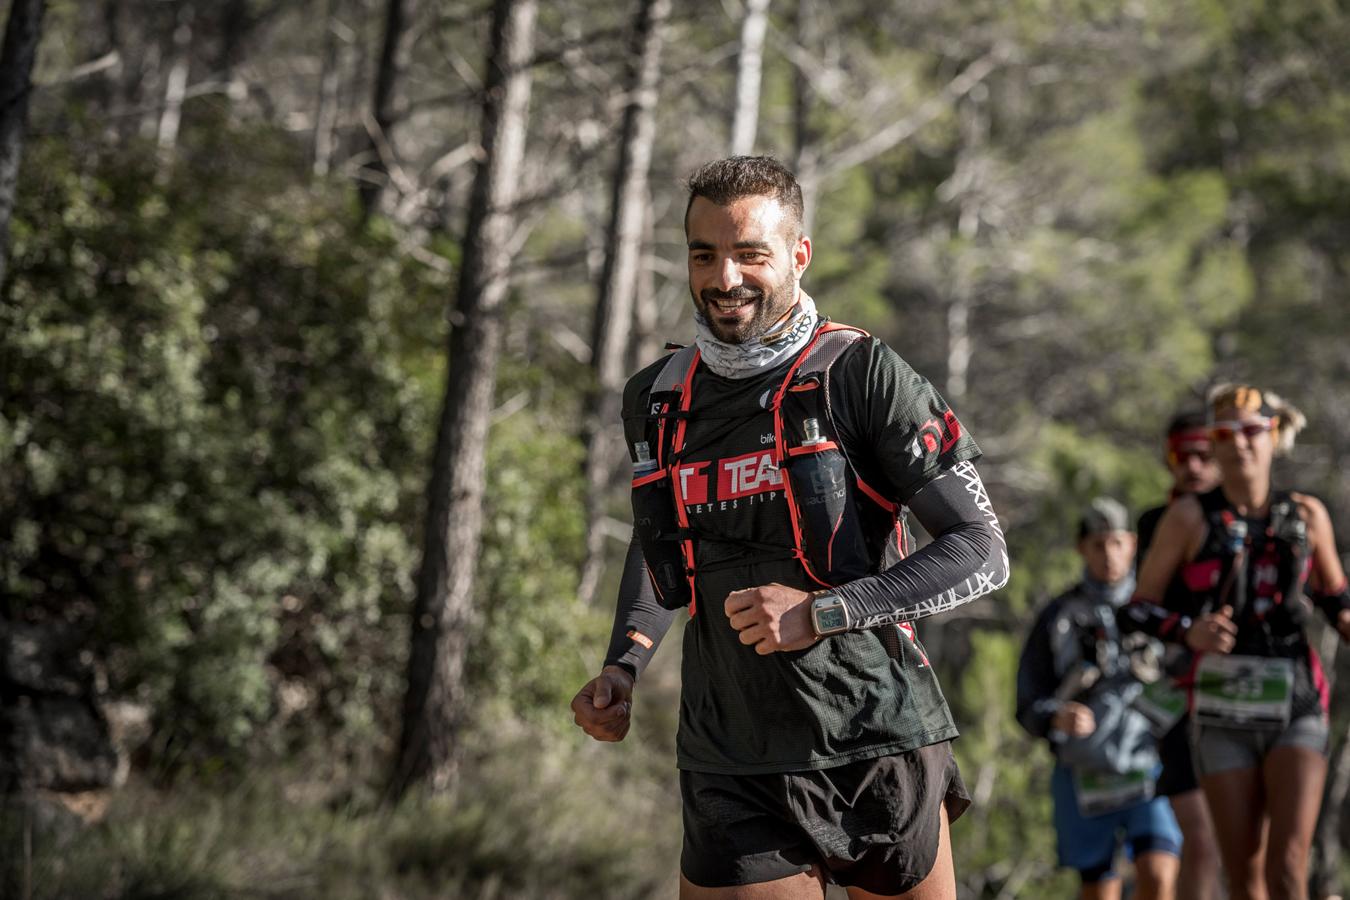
(806, 139)
(749, 67)
(175, 89)
(433, 710)
(394, 58)
(325, 116)
(22, 34)
(647, 342)
(612, 327)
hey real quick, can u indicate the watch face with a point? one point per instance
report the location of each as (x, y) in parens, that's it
(830, 619)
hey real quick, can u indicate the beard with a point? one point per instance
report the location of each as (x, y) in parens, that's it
(766, 310)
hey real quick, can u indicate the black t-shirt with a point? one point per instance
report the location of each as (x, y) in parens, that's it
(844, 698)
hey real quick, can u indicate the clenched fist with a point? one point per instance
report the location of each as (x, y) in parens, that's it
(1075, 720)
(604, 707)
(772, 617)
(1213, 632)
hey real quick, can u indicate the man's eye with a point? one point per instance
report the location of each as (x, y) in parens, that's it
(702, 257)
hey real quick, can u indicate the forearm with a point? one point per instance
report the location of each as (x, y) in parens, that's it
(1332, 603)
(1143, 615)
(639, 621)
(967, 558)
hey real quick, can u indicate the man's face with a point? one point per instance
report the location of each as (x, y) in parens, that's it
(1190, 458)
(1244, 442)
(744, 263)
(1108, 556)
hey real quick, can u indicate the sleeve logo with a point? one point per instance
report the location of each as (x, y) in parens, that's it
(936, 434)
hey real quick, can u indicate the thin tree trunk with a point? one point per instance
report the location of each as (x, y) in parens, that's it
(395, 55)
(325, 117)
(975, 131)
(612, 326)
(646, 303)
(100, 48)
(175, 89)
(434, 705)
(23, 32)
(749, 66)
(806, 139)
(234, 25)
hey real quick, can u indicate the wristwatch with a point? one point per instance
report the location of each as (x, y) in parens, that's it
(829, 615)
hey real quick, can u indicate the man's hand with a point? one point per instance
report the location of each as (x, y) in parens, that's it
(1212, 633)
(603, 708)
(1343, 624)
(771, 618)
(1075, 720)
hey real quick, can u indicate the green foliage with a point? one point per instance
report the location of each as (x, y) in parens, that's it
(207, 436)
(295, 833)
(535, 632)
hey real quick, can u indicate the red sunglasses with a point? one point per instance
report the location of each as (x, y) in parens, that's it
(1227, 431)
(1180, 456)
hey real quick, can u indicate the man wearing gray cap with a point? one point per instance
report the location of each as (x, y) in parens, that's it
(1077, 685)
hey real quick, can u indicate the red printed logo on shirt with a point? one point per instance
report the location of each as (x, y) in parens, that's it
(753, 473)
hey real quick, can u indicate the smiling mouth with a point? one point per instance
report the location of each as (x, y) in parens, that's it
(729, 305)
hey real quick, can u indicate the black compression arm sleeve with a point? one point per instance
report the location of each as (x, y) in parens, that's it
(966, 559)
(639, 621)
(1037, 680)
(1331, 603)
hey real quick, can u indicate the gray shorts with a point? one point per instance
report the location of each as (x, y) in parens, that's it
(1218, 749)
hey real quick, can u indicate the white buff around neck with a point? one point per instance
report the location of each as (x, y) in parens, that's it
(759, 354)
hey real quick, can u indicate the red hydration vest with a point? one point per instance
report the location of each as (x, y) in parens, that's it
(836, 536)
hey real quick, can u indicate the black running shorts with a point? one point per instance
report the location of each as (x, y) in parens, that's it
(873, 824)
(1178, 770)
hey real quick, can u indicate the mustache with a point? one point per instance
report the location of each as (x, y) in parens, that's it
(707, 295)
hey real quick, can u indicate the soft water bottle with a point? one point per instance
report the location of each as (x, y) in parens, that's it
(653, 515)
(831, 533)
(644, 464)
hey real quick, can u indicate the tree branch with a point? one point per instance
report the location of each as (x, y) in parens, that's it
(902, 130)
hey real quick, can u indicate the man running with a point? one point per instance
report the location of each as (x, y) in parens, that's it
(1190, 460)
(773, 462)
(1076, 685)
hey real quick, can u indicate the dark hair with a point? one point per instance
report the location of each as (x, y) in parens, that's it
(1103, 516)
(1190, 420)
(724, 181)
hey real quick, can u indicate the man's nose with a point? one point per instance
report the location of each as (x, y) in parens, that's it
(730, 275)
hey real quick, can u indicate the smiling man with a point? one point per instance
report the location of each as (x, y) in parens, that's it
(774, 459)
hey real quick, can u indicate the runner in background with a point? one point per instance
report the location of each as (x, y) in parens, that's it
(1190, 459)
(1258, 699)
(1077, 683)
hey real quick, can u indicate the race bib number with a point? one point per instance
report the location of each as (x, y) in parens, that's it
(1243, 691)
(1163, 704)
(1100, 793)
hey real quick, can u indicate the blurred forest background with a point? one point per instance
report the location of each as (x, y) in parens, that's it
(312, 318)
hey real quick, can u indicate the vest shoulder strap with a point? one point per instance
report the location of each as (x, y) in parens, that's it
(676, 369)
(829, 345)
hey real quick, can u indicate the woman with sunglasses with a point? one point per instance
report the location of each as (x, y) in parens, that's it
(1190, 461)
(1255, 560)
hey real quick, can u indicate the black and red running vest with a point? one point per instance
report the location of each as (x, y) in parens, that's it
(1259, 567)
(841, 528)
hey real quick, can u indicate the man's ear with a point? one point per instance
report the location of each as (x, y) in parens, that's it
(801, 255)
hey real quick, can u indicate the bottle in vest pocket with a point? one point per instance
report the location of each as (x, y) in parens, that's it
(644, 464)
(819, 476)
(654, 504)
